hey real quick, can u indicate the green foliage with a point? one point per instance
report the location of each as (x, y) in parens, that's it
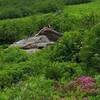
(40, 88)
(46, 6)
(47, 74)
(65, 71)
(13, 55)
(21, 8)
(64, 22)
(90, 53)
(34, 88)
(16, 65)
(89, 20)
(12, 30)
(68, 47)
(13, 73)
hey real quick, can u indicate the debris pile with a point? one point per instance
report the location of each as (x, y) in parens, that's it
(44, 38)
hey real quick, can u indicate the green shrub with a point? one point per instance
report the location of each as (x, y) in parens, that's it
(60, 22)
(12, 30)
(13, 55)
(34, 88)
(64, 22)
(16, 65)
(68, 47)
(37, 88)
(13, 73)
(90, 53)
(88, 21)
(10, 13)
(46, 6)
(65, 71)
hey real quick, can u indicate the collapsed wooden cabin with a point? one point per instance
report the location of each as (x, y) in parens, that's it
(45, 37)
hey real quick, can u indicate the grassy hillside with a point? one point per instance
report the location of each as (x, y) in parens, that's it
(92, 7)
(22, 8)
(68, 70)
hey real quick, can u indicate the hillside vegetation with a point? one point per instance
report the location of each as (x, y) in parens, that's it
(68, 70)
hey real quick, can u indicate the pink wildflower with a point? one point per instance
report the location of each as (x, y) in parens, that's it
(86, 83)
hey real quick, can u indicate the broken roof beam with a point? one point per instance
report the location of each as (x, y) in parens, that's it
(48, 30)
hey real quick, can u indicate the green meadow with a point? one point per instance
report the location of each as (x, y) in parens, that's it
(51, 73)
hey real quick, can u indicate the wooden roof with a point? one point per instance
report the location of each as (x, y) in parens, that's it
(50, 33)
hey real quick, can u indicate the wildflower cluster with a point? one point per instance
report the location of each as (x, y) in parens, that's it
(86, 84)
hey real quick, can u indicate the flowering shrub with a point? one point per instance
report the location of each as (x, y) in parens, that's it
(84, 84)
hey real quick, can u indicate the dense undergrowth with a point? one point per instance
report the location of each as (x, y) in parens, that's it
(49, 73)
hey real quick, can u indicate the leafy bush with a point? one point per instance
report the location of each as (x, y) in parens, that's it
(88, 21)
(21, 8)
(35, 87)
(65, 22)
(46, 6)
(59, 22)
(68, 47)
(13, 73)
(12, 30)
(58, 71)
(90, 53)
(13, 55)
(16, 65)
